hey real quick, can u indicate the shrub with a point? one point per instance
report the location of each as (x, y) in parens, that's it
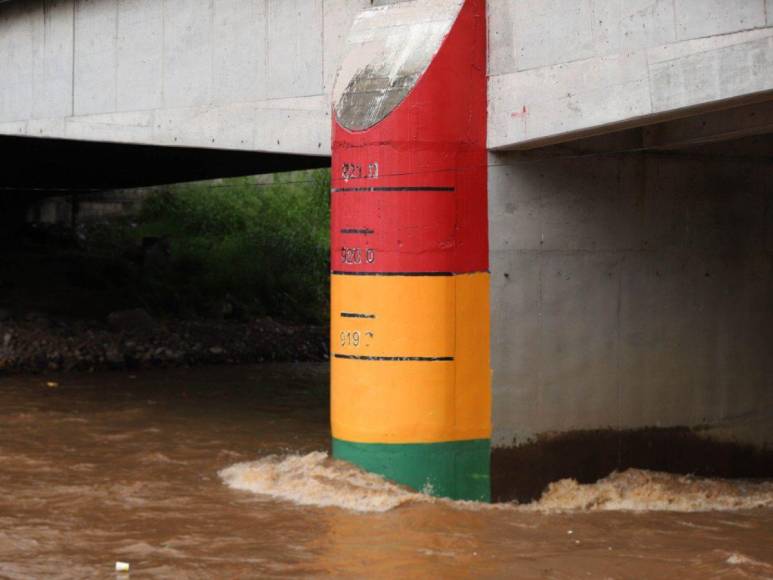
(262, 246)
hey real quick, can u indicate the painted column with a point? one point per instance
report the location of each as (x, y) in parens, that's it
(410, 287)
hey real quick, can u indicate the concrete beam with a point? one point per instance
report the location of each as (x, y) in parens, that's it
(251, 75)
(756, 119)
(558, 75)
(44, 167)
(258, 74)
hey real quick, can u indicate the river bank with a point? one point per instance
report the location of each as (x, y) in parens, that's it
(226, 272)
(132, 339)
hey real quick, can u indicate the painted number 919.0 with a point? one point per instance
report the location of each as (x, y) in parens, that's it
(350, 338)
(355, 338)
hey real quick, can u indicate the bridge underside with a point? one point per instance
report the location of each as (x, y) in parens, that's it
(45, 166)
(35, 168)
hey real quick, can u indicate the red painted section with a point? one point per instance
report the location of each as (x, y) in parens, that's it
(436, 138)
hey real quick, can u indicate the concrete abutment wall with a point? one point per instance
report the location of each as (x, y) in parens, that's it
(631, 291)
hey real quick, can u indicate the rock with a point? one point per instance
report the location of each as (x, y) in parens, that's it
(39, 319)
(131, 320)
(25, 346)
(114, 357)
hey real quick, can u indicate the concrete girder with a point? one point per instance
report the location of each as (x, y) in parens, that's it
(755, 119)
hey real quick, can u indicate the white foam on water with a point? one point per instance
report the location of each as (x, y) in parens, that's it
(738, 559)
(642, 490)
(317, 480)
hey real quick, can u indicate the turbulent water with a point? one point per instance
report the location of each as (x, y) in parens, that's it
(315, 479)
(223, 473)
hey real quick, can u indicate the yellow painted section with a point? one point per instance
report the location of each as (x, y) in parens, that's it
(472, 394)
(414, 316)
(386, 401)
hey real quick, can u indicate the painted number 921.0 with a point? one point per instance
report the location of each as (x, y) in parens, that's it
(357, 171)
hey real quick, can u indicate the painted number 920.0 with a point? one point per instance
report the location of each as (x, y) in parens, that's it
(357, 256)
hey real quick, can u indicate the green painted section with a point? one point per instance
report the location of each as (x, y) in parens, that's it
(455, 469)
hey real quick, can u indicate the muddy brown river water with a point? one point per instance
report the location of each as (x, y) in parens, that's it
(222, 473)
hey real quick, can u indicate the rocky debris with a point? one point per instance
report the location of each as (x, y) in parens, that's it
(131, 320)
(137, 341)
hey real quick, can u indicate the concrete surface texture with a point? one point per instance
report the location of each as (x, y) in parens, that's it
(633, 290)
(387, 51)
(229, 74)
(560, 69)
(258, 74)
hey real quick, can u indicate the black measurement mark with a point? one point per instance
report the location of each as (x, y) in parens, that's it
(356, 315)
(366, 232)
(414, 188)
(397, 358)
(340, 273)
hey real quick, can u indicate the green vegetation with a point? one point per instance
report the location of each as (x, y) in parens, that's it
(261, 248)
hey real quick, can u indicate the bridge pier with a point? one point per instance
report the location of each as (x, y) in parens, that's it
(410, 310)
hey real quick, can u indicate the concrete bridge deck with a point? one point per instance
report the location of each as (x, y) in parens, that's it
(257, 75)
